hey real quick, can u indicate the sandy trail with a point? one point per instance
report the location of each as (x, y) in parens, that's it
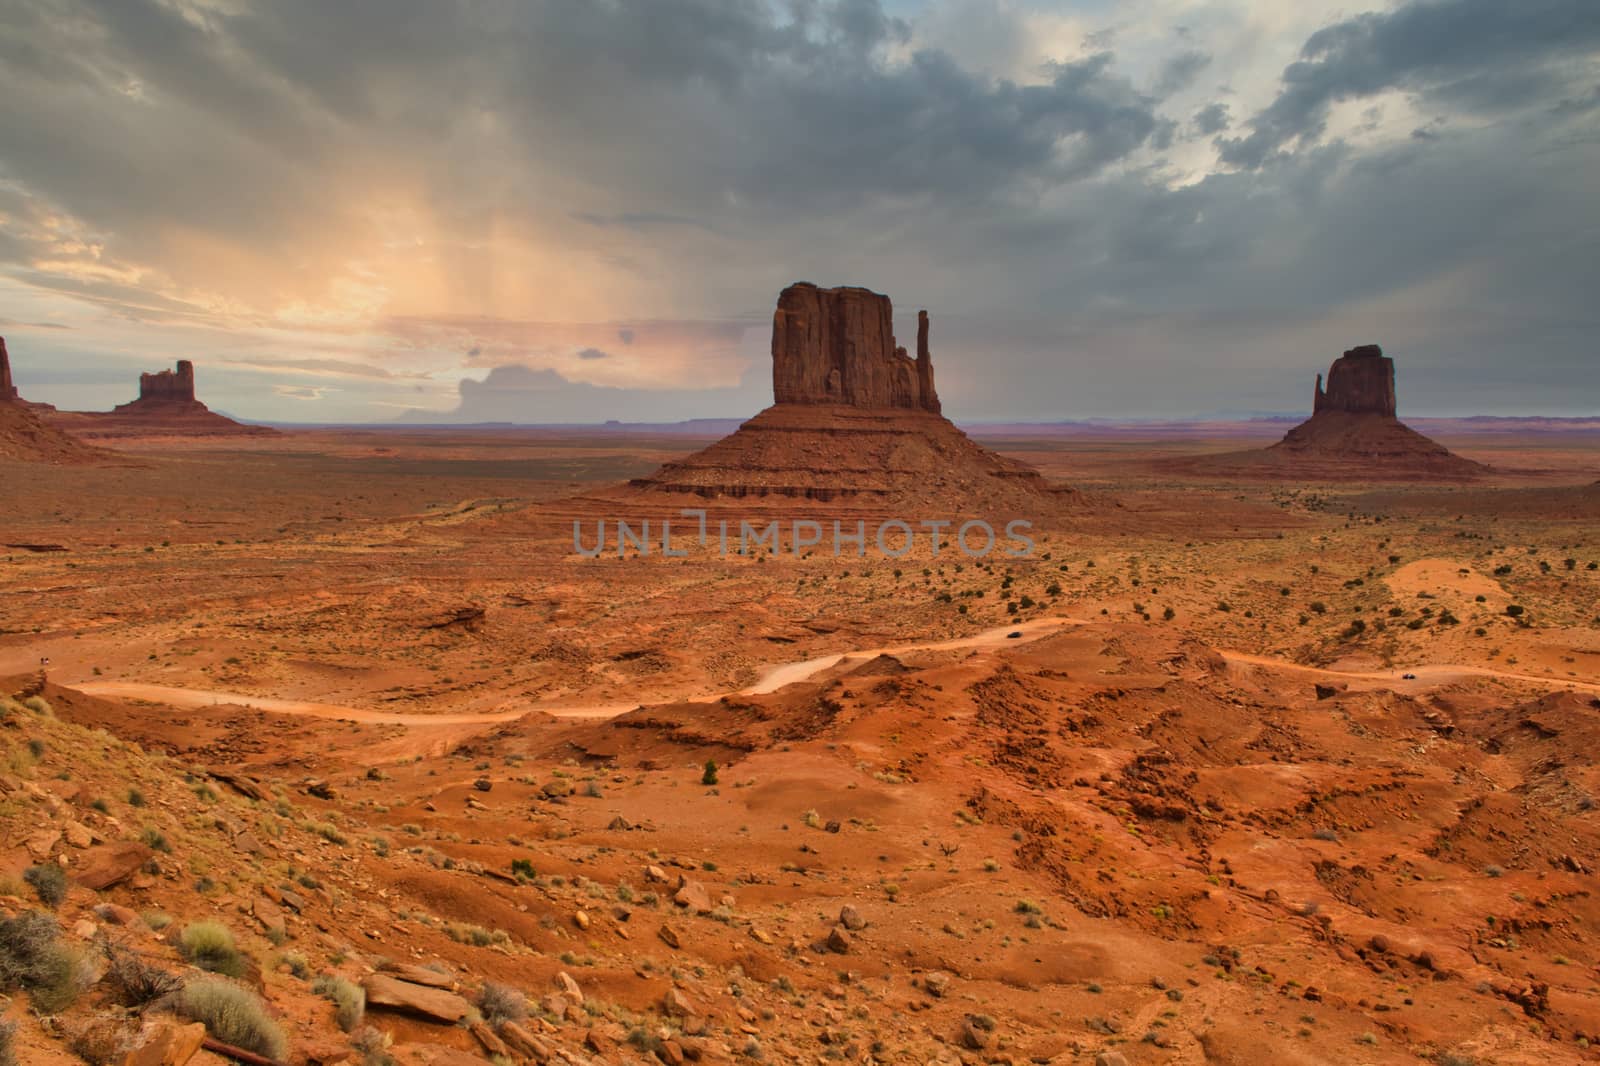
(775, 678)
(1425, 676)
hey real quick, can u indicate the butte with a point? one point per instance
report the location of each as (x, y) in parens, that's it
(1353, 434)
(166, 406)
(855, 421)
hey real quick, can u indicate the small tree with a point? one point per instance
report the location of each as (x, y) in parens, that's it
(709, 777)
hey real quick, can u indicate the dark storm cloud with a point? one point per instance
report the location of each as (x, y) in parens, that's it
(1213, 118)
(517, 393)
(592, 354)
(1484, 56)
(1069, 232)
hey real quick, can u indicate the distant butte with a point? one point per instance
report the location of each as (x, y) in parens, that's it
(1353, 421)
(854, 418)
(1361, 382)
(1353, 434)
(167, 406)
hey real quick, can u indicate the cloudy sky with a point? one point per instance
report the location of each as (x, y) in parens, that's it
(563, 210)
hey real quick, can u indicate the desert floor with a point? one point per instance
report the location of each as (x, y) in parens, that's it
(1269, 772)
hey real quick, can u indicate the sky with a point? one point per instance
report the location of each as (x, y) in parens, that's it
(573, 210)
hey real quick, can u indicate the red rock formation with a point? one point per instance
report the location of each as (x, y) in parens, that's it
(1361, 381)
(836, 346)
(170, 390)
(168, 386)
(166, 406)
(1353, 431)
(8, 391)
(24, 435)
(855, 419)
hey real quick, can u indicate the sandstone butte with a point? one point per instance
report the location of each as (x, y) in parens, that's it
(166, 406)
(1353, 426)
(854, 419)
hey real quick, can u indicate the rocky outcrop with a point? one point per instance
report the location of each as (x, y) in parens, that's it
(167, 406)
(1353, 431)
(1361, 382)
(167, 392)
(169, 386)
(24, 433)
(837, 346)
(855, 421)
(8, 387)
(110, 864)
(431, 1004)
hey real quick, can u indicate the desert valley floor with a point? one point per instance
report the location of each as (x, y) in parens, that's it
(1271, 771)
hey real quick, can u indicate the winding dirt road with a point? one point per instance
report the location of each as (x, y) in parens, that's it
(775, 678)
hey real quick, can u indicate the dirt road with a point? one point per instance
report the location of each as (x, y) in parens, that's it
(775, 678)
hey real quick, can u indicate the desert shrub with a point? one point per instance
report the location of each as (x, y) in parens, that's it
(40, 706)
(500, 1004)
(373, 1047)
(8, 1037)
(49, 883)
(349, 1000)
(155, 839)
(232, 1015)
(32, 958)
(210, 946)
(135, 798)
(132, 982)
(709, 776)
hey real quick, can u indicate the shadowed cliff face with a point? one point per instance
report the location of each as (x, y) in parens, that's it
(1361, 381)
(8, 391)
(837, 346)
(169, 386)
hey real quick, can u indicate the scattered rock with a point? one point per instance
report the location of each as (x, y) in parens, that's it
(851, 918)
(485, 1037)
(165, 1042)
(423, 975)
(78, 834)
(839, 941)
(568, 987)
(524, 1043)
(432, 1004)
(106, 865)
(693, 895)
(41, 843)
(677, 1005)
(669, 936)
